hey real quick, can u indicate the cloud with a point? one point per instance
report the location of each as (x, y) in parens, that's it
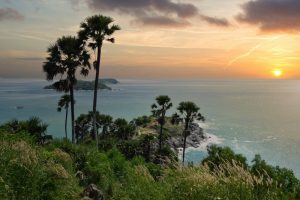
(10, 14)
(162, 21)
(272, 15)
(165, 13)
(216, 21)
(142, 6)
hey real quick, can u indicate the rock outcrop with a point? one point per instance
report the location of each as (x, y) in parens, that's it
(92, 193)
(193, 140)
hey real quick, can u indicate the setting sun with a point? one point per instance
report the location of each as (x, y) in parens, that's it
(277, 72)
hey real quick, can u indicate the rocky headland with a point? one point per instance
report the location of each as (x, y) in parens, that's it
(193, 140)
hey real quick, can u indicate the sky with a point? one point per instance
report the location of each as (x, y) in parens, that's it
(161, 39)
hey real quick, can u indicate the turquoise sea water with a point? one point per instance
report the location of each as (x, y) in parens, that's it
(250, 116)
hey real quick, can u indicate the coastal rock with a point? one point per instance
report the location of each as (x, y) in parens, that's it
(193, 140)
(92, 192)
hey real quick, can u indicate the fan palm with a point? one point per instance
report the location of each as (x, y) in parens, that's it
(64, 102)
(65, 56)
(189, 112)
(94, 31)
(163, 103)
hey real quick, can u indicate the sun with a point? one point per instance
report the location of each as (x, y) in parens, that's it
(277, 73)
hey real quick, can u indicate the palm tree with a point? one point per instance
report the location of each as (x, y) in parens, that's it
(64, 102)
(122, 129)
(163, 103)
(105, 121)
(189, 112)
(65, 56)
(94, 31)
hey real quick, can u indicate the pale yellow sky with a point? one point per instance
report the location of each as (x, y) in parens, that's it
(213, 43)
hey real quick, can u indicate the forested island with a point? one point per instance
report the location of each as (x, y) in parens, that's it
(89, 85)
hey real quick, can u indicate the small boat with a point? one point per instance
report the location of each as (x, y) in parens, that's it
(19, 107)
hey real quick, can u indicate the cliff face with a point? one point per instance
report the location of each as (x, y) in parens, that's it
(193, 140)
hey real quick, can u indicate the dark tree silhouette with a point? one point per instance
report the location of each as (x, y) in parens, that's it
(94, 31)
(33, 126)
(65, 56)
(159, 109)
(122, 129)
(64, 102)
(105, 122)
(189, 112)
(84, 124)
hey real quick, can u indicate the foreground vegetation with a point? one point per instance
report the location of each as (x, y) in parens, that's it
(58, 169)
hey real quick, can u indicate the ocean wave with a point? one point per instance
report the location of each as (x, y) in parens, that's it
(263, 140)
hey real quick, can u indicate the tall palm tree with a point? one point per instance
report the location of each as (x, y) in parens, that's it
(163, 103)
(64, 102)
(65, 56)
(94, 31)
(189, 112)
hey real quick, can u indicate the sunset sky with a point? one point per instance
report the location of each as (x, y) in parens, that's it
(161, 39)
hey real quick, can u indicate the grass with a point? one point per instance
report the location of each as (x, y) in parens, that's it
(32, 171)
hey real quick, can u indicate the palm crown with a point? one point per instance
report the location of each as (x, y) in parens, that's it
(64, 57)
(163, 103)
(190, 111)
(96, 29)
(63, 102)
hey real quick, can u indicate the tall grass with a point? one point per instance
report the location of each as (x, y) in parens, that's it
(30, 171)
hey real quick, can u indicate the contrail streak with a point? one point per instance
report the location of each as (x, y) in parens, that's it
(244, 55)
(249, 52)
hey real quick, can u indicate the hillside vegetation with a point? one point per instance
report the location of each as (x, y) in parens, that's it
(58, 169)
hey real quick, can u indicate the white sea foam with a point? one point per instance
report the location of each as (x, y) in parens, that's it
(210, 139)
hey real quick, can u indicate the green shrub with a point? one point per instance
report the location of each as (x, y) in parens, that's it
(27, 172)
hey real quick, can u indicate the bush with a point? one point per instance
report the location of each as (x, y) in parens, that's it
(219, 155)
(28, 172)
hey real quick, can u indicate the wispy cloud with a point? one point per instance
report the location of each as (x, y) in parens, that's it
(10, 14)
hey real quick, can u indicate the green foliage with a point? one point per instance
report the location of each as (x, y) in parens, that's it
(142, 121)
(28, 172)
(34, 126)
(282, 177)
(120, 171)
(123, 130)
(219, 155)
(84, 128)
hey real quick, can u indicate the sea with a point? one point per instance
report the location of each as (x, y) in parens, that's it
(250, 116)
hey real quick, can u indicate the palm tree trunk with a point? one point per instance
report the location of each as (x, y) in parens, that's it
(66, 122)
(184, 140)
(95, 135)
(72, 113)
(160, 136)
(161, 128)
